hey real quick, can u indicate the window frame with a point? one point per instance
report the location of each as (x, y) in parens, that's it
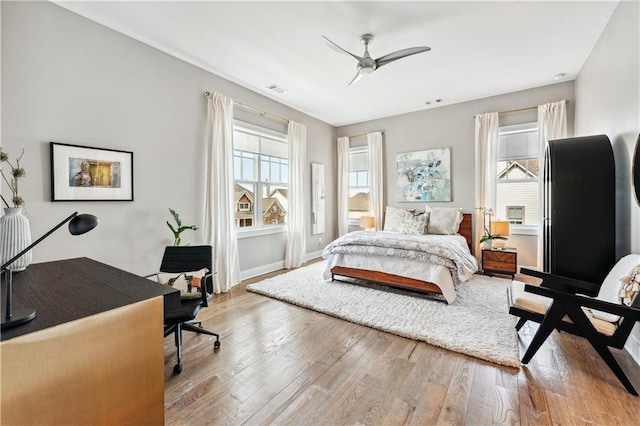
(258, 228)
(352, 221)
(519, 229)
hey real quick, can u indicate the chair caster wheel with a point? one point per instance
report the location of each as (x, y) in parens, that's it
(216, 344)
(177, 369)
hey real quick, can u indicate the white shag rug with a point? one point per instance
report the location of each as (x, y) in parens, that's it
(476, 324)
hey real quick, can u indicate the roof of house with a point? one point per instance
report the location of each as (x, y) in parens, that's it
(239, 191)
(359, 202)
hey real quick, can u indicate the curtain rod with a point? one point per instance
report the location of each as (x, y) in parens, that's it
(256, 110)
(509, 111)
(361, 135)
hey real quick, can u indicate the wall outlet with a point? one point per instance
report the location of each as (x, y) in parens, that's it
(319, 241)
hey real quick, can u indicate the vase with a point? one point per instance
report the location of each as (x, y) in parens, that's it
(15, 236)
(488, 244)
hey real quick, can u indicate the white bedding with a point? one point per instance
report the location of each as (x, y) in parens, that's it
(439, 259)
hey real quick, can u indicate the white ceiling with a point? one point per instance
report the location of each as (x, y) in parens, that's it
(479, 49)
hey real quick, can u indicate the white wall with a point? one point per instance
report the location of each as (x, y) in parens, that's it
(453, 126)
(68, 79)
(608, 101)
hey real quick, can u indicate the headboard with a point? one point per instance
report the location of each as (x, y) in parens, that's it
(465, 228)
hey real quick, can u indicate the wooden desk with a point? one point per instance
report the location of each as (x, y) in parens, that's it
(93, 354)
(67, 290)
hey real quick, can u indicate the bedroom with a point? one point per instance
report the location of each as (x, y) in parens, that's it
(153, 108)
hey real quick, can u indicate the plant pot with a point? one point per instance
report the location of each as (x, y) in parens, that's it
(15, 236)
(488, 244)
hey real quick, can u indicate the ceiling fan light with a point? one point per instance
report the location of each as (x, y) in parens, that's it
(366, 70)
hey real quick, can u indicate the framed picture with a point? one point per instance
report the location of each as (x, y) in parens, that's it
(424, 175)
(82, 173)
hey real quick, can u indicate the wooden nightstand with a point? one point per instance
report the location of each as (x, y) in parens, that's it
(500, 261)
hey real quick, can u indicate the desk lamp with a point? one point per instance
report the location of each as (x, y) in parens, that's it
(79, 225)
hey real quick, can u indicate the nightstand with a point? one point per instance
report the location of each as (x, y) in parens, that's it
(503, 261)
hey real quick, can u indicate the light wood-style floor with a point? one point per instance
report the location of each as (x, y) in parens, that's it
(282, 364)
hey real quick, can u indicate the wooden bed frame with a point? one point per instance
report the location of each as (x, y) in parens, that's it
(397, 281)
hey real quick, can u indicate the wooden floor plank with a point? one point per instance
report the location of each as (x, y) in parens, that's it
(282, 364)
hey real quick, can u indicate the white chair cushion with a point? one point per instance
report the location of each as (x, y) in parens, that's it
(540, 304)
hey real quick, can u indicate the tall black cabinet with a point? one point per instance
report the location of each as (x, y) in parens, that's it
(579, 208)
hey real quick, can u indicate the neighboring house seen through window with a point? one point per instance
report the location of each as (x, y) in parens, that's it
(517, 188)
(260, 168)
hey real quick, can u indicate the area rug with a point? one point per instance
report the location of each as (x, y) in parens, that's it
(476, 324)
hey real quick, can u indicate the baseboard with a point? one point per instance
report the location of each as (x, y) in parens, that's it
(265, 269)
(312, 255)
(261, 270)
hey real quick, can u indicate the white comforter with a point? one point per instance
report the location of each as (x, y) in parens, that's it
(444, 260)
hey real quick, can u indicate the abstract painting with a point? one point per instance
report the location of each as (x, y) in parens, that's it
(424, 175)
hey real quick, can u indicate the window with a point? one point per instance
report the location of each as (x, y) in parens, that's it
(260, 170)
(517, 189)
(515, 215)
(358, 182)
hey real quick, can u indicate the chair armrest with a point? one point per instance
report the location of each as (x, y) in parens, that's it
(565, 284)
(203, 289)
(587, 302)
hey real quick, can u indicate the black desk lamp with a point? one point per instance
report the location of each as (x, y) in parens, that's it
(80, 223)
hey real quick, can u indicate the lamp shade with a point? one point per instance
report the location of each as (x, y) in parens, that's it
(82, 223)
(367, 222)
(500, 227)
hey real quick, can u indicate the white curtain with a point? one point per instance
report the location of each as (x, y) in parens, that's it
(486, 135)
(552, 124)
(296, 239)
(376, 178)
(343, 185)
(219, 225)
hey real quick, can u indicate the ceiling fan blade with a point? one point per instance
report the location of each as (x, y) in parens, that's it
(341, 50)
(357, 77)
(399, 54)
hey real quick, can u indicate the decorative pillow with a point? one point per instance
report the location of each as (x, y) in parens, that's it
(444, 220)
(630, 286)
(393, 219)
(187, 282)
(414, 223)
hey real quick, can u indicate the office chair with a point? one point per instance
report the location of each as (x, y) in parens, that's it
(602, 318)
(181, 259)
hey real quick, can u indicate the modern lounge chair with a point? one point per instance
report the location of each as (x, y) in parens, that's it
(600, 316)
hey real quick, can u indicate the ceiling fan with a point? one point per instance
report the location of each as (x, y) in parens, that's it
(366, 64)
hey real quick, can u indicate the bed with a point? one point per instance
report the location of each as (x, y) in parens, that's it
(432, 264)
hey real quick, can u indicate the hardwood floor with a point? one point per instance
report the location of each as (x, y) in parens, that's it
(282, 364)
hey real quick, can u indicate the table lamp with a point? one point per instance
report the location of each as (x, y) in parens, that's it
(500, 228)
(367, 222)
(80, 223)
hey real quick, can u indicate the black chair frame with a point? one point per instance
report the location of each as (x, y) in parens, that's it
(567, 302)
(181, 259)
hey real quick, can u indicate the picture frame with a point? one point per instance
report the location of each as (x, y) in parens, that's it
(83, 173)
(424, 176)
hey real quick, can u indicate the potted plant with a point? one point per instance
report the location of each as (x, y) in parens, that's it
(179, 229)
(488, 237)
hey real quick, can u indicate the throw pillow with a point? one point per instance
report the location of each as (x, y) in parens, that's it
(187, 282)
(393, 218)
(444, 220)
(414, 223)
(630, 286)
